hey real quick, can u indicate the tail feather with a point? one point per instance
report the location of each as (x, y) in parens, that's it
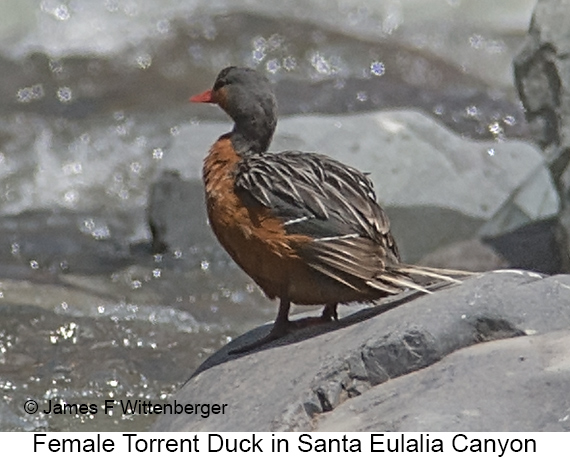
(427, 274)
(442, 271)
(422, 279)
(400, 282)
(383, 287)
(362, 263)
(430, 273)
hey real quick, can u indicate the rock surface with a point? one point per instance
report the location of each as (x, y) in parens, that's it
(174, 212)
(469, 255)
(351, 375)
(542, 74)
(507, 385)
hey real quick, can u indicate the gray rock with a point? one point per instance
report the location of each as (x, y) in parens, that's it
(542, 74)
(519, 384)
(175, 216)
(301, 381)
(538, 246)
(470, 255)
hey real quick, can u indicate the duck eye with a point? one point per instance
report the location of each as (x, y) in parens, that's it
(219, 84)
(224, 78)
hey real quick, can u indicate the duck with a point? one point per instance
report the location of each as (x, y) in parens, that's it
(306, 228)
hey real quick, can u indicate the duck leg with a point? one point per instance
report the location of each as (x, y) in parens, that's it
(329, 313)
(280, 328)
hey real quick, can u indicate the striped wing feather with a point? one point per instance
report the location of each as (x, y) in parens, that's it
(326, 197)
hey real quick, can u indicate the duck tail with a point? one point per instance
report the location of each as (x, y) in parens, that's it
(430, 273)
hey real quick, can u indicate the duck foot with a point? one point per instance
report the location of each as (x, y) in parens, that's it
(282, 327)
(279, 330)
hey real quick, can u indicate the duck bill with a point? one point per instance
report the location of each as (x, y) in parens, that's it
(204, 97)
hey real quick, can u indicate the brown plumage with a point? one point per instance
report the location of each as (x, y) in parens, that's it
(305, 227)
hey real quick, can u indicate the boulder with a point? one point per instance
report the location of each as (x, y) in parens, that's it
(542, 75)
(514, 385)
(456, 359)
(176, 218)
(469, 255)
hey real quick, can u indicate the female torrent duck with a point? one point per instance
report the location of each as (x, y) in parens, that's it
(306, 228)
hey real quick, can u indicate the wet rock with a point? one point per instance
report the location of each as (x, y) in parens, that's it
(539, 246)
(435, 399)
(47, 243)
(542, 74)
(350, 375)
(175, 216)
(470, 255)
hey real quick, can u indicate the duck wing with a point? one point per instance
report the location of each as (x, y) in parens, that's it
(335, 206)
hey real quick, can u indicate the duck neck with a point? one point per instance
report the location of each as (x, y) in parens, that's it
(253, 135)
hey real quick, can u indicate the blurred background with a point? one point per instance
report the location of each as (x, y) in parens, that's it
(98, 144)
